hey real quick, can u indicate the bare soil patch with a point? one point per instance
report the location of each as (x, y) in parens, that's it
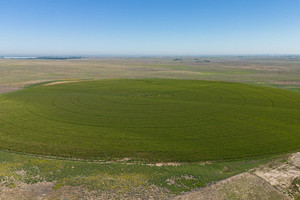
(60, 82)
(275, 180)
(282, 175)
(241, 186)
(287, 83)
(165, 164)
(45, 190)
(5, 89)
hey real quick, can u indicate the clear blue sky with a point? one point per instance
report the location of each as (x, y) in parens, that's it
(149, 27)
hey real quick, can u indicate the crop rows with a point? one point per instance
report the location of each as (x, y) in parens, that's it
(155, 120)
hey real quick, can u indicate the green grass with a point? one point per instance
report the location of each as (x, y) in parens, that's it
(154, 120)
(119, 177)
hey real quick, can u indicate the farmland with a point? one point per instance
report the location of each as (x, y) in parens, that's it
(109, 128)
(150, 100)
(153, 120)
(267, 71)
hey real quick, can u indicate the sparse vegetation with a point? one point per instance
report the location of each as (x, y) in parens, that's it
(119, 176)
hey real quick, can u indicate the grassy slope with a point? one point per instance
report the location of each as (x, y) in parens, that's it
(156, 120)
(117, 178)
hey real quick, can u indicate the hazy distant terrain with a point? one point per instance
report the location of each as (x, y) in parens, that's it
(276, 71)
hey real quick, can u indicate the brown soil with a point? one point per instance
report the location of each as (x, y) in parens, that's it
(273, 180)
(60, 82)
(4, 89)
(44, 190)
(242, 186)
(165, 164)
(281, 175)
(287, 83)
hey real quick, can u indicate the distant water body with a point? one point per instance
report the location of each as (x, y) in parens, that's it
(20, 57)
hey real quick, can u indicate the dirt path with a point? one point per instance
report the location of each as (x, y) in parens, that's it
(242, 186)
(283, 175)
(60, 82)
(275, 180)
(13, 87)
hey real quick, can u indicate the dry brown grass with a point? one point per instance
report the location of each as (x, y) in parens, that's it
(241, 186)
(267, 71)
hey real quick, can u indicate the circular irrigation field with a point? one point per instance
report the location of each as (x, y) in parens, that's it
(154, 120)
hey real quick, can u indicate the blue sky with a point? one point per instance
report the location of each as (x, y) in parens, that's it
(149, 27)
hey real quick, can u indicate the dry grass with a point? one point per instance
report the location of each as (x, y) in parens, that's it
(242, 186)
(258, 70)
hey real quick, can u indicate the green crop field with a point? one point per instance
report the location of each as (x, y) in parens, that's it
(153, 120)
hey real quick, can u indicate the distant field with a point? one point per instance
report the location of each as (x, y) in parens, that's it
(270, 70)
(153, 120)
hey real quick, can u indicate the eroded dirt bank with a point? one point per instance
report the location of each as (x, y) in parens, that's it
(275, 180)
(242, 186)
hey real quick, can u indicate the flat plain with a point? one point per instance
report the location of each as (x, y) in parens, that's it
(159, 120)
(148, 128)
(272, 71)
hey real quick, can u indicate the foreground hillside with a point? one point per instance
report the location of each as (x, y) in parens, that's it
(30, 177)
(154, 120)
